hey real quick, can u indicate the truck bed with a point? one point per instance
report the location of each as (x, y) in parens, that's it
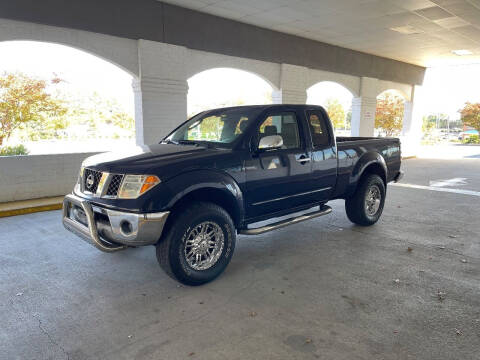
(352, 149)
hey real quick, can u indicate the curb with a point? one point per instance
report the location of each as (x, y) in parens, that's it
(23, 207)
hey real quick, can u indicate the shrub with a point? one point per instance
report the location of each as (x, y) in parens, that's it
(472, 139)
(13, 150)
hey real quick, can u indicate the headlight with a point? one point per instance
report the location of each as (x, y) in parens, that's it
(135, 185)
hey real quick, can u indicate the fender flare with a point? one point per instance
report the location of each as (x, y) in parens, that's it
(366, 160)
(186, 183)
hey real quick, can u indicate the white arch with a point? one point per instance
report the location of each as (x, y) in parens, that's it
(334, 83)
(236, 70)
(322, 91)
(220, 87)
(118, 51)
(396, 92)
(404, 90)
(349, 82)
(200, 61)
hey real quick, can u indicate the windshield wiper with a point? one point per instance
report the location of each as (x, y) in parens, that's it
(188, 142)
(207, 144)
(197, 143)
(168, 141)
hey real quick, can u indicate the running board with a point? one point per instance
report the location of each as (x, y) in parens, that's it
(256, 231)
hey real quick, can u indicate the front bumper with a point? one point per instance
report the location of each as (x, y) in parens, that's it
(110, 230)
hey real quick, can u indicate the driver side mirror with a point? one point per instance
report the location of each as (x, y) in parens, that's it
(270, 142)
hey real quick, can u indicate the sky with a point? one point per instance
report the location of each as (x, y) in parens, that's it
(320, 93)
(82, 72)
(448, 88)
(225, 87)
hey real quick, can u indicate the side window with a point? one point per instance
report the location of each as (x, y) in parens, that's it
(285, 125)
(318, 129)
(241, 125)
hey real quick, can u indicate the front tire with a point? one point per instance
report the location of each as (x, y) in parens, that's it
(366, 206)
(198, 245)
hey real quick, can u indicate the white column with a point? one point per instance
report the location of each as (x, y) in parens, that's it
(363, 116)
(407, 118)
(160, 92)
(137, 98)
(412, 123)
(277, 96)
(293, 88)
(293, 96)
(364, 108)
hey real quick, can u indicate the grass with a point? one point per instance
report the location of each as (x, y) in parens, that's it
(13, 150)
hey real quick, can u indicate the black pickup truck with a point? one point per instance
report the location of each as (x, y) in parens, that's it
(221, 172)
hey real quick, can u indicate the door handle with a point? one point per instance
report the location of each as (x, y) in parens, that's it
(303, 159)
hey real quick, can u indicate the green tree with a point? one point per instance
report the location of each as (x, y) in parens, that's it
(90, 112)
(102, 110)
(470, 115)
(441, 121)
(428, 125)
(25, 100)
(336, 112)
(389, 113)
(348, 119)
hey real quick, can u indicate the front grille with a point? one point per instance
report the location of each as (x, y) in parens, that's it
(114, 185)
(91, 178)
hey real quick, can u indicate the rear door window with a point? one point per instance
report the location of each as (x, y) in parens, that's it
(318, 129)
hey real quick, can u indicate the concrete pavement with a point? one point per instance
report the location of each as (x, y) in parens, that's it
(406, 288)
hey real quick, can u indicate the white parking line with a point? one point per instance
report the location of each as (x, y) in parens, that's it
(449, 182)
(433, 188)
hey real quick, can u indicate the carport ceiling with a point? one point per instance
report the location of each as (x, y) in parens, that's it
(422, 32)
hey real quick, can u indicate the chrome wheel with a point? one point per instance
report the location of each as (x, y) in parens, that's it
(204, 245)
(373, 200)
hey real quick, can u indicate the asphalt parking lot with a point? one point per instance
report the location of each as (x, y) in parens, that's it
(406, 288)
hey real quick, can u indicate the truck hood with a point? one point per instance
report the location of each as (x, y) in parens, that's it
(152, 159)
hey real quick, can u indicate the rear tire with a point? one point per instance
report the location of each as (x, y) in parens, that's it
(366, 206)
(198, 245)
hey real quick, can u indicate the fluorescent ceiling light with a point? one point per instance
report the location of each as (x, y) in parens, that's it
(462, 52)
(407, 30)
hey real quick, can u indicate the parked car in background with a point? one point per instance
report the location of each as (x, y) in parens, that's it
(466, 134)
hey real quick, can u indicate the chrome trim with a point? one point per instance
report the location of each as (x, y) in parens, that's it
(204, 245)
(81, 179)
(108, 235)
(90, 232)
(110, 197)
(373, 200)
(289, 196)
(280, 224)
(270, 142)
(103, 184)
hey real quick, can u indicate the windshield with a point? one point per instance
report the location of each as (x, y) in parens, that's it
(221, 126)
